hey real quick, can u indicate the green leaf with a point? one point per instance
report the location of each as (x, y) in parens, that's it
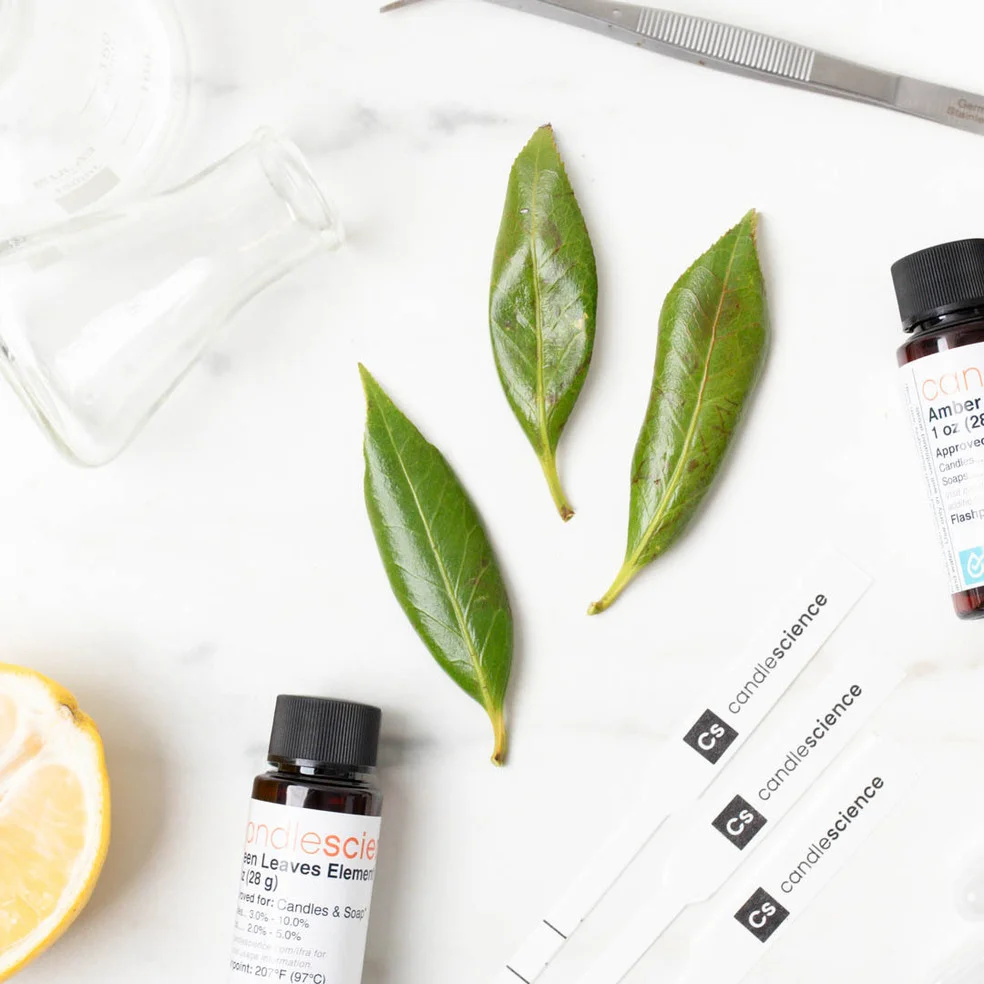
(438, 557)
(543, 301)
(713, 334)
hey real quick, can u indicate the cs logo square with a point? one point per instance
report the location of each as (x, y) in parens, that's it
(710, 736)
(739, 822)
(762, 915)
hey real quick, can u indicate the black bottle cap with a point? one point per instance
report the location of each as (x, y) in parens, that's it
(324, 731)
(939, 280)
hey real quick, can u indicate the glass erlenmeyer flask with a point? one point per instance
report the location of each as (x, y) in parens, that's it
(102, 315)
(90, 91)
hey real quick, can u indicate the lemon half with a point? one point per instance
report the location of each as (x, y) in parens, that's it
(54, 813)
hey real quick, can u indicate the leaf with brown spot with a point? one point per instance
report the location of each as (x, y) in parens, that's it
(713, 334)
(543, 301)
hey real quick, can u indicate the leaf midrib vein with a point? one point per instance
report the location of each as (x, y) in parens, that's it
(541, 397)
(657, 519)
(459, 617)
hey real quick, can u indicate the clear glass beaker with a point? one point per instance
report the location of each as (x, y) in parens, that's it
(101, 316)
(91, 92)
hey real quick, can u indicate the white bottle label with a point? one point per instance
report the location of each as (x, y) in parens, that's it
(304, 896)
(945, 398)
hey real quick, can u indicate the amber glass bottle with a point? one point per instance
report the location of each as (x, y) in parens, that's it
(312, 839)
(941, 300)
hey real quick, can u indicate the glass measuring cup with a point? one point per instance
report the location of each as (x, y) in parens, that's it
(90, 93)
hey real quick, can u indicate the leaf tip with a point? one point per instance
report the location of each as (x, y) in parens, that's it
(542, 136)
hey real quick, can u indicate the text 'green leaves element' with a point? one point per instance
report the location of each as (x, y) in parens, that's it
(438, 557)
(543, 301)
(713, 335)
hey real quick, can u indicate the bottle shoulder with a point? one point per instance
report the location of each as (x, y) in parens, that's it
(332, 795)
(941, 339)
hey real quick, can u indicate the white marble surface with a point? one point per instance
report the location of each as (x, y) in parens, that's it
(226, 557)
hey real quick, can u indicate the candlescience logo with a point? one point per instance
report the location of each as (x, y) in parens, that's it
(293, 837)
(972, 565)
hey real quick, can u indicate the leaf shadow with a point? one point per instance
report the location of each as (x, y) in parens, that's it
(518, 662)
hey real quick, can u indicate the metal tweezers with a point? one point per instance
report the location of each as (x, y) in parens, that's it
(759, 56)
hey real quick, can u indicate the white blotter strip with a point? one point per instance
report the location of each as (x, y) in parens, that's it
(726, 950)
(541, 946)
(683, 774)
(873, 757)
(703, 861)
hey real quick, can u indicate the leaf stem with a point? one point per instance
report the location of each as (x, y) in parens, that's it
(622, 580)
(501, 737)
(549, 464)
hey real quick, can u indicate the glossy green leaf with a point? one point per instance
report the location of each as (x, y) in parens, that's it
(438, 557)
(543, 301)
(713, 334)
